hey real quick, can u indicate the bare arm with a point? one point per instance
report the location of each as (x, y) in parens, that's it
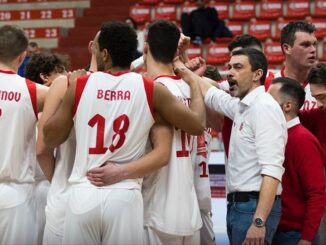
(40, 96)
(192, 120)
(161, 138)
(266, 200)
(45, 154)
(57, 128)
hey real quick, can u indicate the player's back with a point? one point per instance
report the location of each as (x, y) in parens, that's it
(173, 185)
(112, 120)
(18, 124)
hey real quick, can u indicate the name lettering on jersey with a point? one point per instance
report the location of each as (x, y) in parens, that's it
(10, 95)
(185, 101)
(113, 95)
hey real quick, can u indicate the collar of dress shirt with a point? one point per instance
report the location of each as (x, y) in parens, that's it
(249, 98)
(293, 122)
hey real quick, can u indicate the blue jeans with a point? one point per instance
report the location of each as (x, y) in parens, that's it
(240, 216)
(289, 238)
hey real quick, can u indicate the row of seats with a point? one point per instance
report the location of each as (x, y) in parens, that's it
(218, 53)
(44, 21)
(238, 10)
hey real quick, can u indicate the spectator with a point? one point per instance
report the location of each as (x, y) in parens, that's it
(31, 50)
(203, 23)
(140, 36)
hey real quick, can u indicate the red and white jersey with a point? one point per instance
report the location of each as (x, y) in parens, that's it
(17, 148)
(309, 103)
(170, 201)
(113, 117)
(57, 197)
(200, 155)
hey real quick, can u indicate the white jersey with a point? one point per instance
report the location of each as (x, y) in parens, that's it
(18, 117)
(170, 202)
(57, 199)
(113, 117)
(310, 102)
(200, 155)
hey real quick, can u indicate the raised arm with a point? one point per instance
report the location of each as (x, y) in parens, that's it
(57, 128)
(41, 92)
(44, 153)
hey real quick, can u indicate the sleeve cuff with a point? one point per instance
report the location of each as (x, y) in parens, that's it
(273, 171)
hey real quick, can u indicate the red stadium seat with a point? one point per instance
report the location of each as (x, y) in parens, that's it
(187, 7)
(280, 23)
(260, 28)
(222, 9)
(236, 27)
(320, 25)
(270, 9)
(165, 12)
(323, 57)
(194, 51)
(140, 14)
(320, 8)
(173, 1)
(149, 2)
(274, 53)
(297, 8)
(217, 53)
(42, 32)
(243, 10)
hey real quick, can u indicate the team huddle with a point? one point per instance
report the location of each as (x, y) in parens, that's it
(127, 154)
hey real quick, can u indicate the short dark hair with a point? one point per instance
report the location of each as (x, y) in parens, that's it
(256, 59)
(288, 31)
(120, 40)
(45, 63)
(244, 41)
(134, 23)
(33, 44)
(317, 74)
(163, 37)
(291, 88)
(13, 42)
(212, 73)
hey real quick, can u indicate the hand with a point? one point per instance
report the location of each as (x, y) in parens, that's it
(197, 65)
(183, 45)
(304, 242)
(72, 76)
(107, 174)
(181, 70)
(255, 236)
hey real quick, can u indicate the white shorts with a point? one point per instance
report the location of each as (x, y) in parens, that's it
(40, 193)
(51, 238)
(18, 225)
(207, 236)
(156, 237)
(104, 216)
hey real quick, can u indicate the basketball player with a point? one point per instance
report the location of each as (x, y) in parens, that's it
(108, 109)
(21, 100)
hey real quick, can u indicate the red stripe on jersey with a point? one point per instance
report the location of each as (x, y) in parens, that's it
(80, 85)
(119, 73)
(149, 88)
(283, 75)
(7, 72)
(169, 76)
(268, 80)
(31, 86)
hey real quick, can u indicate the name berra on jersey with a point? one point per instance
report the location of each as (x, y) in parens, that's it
(113, 95)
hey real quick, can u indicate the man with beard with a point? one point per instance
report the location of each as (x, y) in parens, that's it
(254, 168)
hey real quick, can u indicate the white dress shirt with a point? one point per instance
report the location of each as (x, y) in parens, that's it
(258, 137)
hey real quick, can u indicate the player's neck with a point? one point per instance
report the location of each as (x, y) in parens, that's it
(155, 69)
(117, 69)
(297, 73)
(4, 67)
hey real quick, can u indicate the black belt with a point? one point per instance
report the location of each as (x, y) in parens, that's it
(244, 196)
